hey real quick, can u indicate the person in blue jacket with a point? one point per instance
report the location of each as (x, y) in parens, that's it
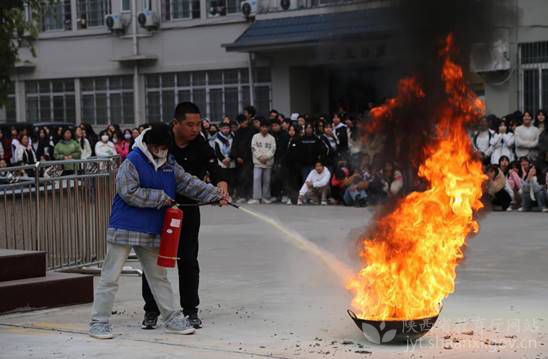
(146, 185)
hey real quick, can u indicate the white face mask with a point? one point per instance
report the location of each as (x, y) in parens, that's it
(160, 154)
(127, 136)
(104, 138)
(115, 140)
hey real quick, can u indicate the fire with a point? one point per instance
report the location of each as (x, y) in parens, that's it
(411, 257)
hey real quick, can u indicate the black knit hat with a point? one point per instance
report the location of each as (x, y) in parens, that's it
(158, 134)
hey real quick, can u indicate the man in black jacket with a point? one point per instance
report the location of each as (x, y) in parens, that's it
(282, 140)
(241, 153)
(194, 154)
(311, 150)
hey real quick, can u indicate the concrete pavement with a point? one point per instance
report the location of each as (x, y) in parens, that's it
(262, 297)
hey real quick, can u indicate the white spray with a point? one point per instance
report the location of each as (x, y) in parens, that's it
(334, 264)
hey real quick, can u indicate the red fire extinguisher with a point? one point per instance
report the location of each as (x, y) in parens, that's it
(169, 238)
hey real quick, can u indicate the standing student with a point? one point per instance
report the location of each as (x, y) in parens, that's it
(146, 185)
(263, 147)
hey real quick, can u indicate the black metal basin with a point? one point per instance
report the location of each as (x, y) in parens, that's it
(393, 331)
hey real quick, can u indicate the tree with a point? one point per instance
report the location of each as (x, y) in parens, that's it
(15, 32)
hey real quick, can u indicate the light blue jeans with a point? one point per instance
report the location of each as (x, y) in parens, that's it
(261, 182)
(538, 192)
(112, 269)
(353, 196)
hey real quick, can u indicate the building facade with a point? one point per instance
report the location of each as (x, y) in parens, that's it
(294, 56)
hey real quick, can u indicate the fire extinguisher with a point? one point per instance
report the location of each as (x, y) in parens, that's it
(169, 238)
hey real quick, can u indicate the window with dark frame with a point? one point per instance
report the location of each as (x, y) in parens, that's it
(534, 75)
(217, 93)
(107, 100)
(50, 100)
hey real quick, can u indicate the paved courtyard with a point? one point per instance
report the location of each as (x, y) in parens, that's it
(263, 297)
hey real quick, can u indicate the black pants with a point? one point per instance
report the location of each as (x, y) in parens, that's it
(502, 198)
(276, 182)
(187, 265)
(291, 181)
(244, 184)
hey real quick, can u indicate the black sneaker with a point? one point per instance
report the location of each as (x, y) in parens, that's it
(195, 321)
(150, 321)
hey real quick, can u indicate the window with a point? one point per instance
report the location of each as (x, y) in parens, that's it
(126, 5)
(180, 9)
(107, 100)
(56, 16)
(534, 52)
(8, 111)
(224, 7)
(50, 100)
(217, 93)
(534, 76)
(92, 12)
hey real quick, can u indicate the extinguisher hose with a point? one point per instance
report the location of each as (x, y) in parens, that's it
(204, 204)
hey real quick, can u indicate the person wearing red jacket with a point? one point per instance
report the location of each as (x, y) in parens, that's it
(122, 147)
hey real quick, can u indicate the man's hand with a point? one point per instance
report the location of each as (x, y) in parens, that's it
(226, 161)
(222, 188)
(240, 160)
(309, 184)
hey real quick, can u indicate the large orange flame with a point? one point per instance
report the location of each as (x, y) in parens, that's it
(411, 258)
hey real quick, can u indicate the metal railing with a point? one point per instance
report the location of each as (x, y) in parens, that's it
(60, 207)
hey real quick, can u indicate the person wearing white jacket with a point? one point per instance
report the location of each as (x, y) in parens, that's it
(316, 185)
(263, 148)
(105, 148)
(527, 137)
(83, 143)
(502, 143)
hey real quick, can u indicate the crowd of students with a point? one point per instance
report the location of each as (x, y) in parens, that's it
(514, 150)
(324, 160)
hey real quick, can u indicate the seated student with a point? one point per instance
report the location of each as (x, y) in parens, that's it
(341, 179)
(356, 192)
(387, 182)
(146, 185)
(496, 188)
(532, 192)
(315, 186)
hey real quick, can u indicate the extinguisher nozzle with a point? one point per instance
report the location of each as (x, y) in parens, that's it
(233, 205)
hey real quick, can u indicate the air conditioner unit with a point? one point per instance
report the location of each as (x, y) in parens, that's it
(491, 57)
(249, 8)
(149, 20)
(116, 22)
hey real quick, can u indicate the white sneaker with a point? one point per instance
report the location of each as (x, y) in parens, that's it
(521, 209)
(100, 331)
(253, 201)
(545, 210)
(288, 202)
(324, 203)
(179, 325)
(509, 209)
(241, 200)
(267, 201)
(284, 199)
(300, 202)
